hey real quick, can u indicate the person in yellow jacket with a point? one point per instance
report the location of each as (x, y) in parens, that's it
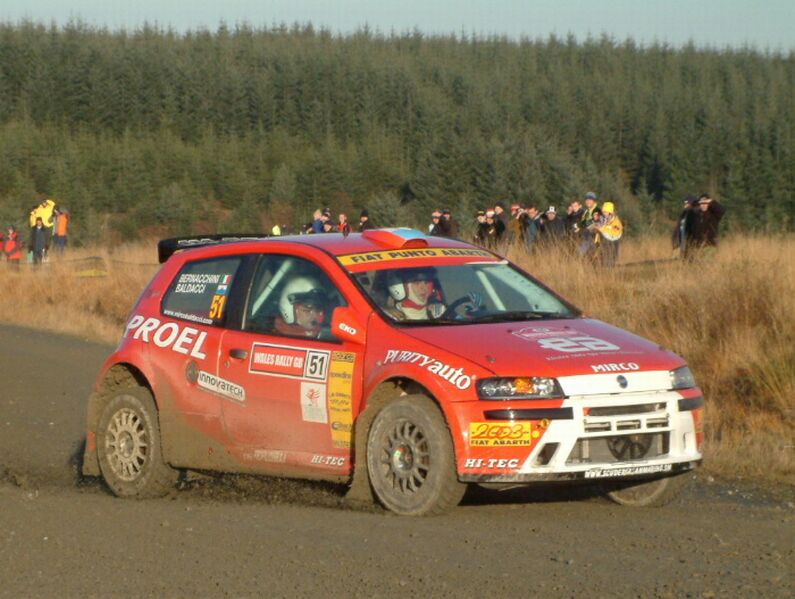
(44, 211)
(611, 229)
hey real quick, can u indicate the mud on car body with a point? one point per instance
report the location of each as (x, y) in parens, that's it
(406, 365)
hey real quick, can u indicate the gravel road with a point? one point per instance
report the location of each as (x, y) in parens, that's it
(64, 536)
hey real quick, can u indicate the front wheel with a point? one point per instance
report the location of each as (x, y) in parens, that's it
(129, 446)
(652, 493)
(411, 460)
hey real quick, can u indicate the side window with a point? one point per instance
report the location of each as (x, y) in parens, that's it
(200, 290)
(291, 297)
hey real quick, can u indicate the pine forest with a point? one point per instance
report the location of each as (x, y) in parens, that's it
(151, 132)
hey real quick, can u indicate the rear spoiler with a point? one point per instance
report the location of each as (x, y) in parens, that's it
(168, 247)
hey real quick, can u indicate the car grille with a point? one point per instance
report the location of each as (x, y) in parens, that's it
(638, 417)
(619, 448)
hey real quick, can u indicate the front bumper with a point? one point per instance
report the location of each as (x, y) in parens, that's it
(590, 437)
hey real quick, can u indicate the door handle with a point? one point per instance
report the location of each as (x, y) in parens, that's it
(238, 354)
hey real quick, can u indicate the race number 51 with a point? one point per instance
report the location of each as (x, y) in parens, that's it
(316, 365)
(572, 345)
(217, 307)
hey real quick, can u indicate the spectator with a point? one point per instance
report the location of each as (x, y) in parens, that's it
(481, 228)
(448, 224)
(364, 221)
(709, 215)
(517, 224)
(684, 235)
(39, 241)
(317, 221)
(573, 219)
(12, 247)
(610, 230)
(554, 228)
(60, 229)
(587, 231)
(495, 230)
(45, 211)
(501, 216)
(343, 226)
(328, 226)
(533, 226)
(436, 228)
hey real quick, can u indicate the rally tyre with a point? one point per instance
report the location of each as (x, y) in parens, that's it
(129, 446)
(649, 493)
(411, 460)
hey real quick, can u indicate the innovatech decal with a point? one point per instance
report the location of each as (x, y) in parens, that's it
(220, 386)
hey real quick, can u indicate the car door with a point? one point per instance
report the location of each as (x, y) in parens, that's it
(300, 391)
(186, 337)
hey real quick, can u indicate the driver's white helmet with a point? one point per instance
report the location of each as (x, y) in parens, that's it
(398, 281)
(301, 290)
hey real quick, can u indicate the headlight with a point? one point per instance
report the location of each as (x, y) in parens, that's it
(536, 387)
(682, 378)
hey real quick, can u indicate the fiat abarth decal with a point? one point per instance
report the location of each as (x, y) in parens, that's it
(405, 365)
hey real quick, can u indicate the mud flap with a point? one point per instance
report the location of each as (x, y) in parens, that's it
(360, 493)
(90, 465)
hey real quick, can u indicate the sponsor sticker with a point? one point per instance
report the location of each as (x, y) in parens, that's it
(616, 367)
(327, 460)
(340, 398)
(313, 402)
(573, 345)
(186, 316)
(290, 362)
(492, 463)
(391, 256)
(627, 471)
(215, 384)
(490, 434)
(533, 333)
(454, 376)
(268, 455)
(183, 340)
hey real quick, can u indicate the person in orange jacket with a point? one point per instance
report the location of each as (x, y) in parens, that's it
(12, 247)
(60, 229)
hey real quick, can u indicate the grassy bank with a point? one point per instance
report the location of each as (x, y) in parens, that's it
(730, 314)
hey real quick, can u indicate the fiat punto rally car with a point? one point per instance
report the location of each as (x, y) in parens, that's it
(405, 365)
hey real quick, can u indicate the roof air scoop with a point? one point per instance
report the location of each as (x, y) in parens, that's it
(396, 238)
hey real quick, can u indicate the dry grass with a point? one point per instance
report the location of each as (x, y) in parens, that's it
(730, 314)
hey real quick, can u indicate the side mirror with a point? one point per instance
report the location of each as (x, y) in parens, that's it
(346, 326)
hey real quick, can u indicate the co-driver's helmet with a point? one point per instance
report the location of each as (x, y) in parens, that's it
(398, 281)
(301, 290)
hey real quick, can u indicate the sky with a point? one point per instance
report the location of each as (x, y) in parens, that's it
(764, 24)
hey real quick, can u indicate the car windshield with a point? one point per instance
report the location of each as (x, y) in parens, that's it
(470, 293)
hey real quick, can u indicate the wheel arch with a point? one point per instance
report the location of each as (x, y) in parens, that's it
(117, 376)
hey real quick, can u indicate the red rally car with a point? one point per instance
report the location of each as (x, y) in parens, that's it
(405, 365)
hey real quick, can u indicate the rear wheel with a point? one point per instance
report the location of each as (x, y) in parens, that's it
(650, 493)
(411, 460)
(129, 446)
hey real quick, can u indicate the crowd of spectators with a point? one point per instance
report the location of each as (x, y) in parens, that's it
(49, 229)
(586, 229)
(698, 225)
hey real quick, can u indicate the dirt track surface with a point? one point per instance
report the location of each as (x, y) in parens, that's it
(246, 537)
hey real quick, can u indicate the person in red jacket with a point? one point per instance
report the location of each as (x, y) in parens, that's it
(12, 247)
